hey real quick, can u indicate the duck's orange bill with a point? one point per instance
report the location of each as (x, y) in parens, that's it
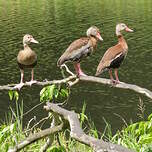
(128, 29)
(99, 37)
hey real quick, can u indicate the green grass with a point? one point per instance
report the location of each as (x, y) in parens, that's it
(12, 132)
(137, 136)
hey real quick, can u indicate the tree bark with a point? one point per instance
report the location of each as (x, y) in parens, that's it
(78, 134)
(36, 136)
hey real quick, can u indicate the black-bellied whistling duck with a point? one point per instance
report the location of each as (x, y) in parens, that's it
(114, 56)
(27, 59)
(80, 48)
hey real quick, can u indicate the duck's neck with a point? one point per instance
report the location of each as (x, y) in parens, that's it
(25, 46)
(93, 41)
(118, 33)
(120, 38)
(123, 42)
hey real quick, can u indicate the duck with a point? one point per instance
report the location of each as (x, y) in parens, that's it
(27, 58)
(115, 55)
(81, 48)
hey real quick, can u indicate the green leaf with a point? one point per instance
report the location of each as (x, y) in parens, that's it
(57, 149)
(150, 117)
(51, 91)
(13, 95)
(64, 93)
(42, 91)
(47, 93)
(94, 132)
(145, 139)
(12, 126)
(56, 93)
(10, 93)
(16, 95)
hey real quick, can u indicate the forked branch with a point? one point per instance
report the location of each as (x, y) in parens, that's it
(77, 133)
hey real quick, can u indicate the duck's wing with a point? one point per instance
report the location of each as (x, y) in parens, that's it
(110, 55)
(75, 51)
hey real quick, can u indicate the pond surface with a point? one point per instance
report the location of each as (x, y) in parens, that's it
(55, 24)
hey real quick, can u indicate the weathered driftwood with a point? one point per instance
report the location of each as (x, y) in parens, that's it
(36, 136)
(72, 80)
(77, 133)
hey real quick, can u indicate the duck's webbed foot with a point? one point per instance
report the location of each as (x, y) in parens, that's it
(78, 70)
(81, 74)
(115, 82)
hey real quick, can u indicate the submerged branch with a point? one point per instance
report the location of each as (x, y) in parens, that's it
(77, 133)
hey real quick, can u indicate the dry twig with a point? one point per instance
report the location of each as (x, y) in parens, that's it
(35, 137)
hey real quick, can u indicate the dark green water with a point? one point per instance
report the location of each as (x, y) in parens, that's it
(55, 24)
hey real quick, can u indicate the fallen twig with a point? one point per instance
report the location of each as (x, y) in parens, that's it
(35, 137)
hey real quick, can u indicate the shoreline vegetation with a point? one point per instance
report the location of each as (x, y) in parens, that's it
(136, 136)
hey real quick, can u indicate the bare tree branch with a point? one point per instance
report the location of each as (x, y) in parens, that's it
(35, 137)
(67, 69)
(43, 83)
(78, 134)
(72, 80)
(30, 130)
(121, 85)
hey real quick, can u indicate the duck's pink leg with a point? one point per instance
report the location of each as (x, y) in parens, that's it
(20, 85)
(78, 69)
(32, 78)
(22, 76)
(111, 77)
(116, 75)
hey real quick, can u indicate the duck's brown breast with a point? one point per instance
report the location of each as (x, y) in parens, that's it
(26, 57)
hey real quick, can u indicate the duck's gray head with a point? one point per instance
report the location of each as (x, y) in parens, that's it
(27, 39)
(94, 31)
(121, 27)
